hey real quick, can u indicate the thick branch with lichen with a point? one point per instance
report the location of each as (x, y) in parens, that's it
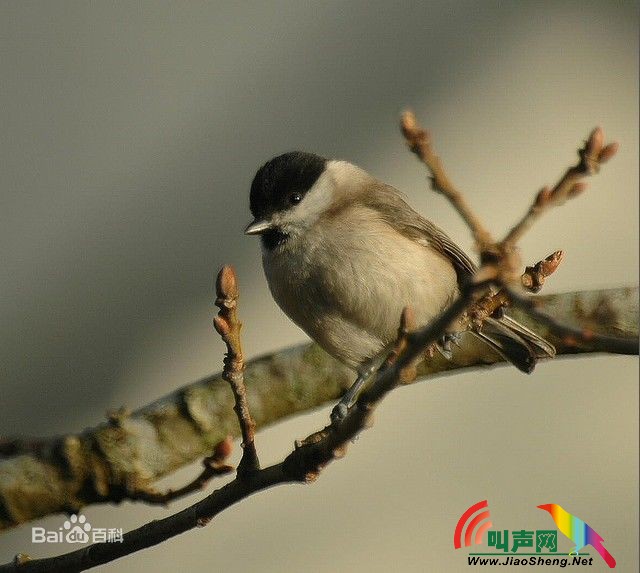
(304, 464)
(113, 460)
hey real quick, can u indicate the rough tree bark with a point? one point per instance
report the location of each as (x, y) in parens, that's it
(113, 460)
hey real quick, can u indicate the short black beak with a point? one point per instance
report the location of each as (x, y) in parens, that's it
(258, 227)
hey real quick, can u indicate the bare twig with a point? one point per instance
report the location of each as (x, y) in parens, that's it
(591, 156)
(504, 255)
(419, 141)
(213, 466)
(316, 451)
(228, 327)
(407, 324)
(531, 280)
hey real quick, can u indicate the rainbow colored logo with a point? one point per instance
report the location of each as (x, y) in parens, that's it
(476, 520)
(578, 531)
(474, 525)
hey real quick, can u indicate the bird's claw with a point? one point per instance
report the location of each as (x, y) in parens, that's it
(339, 412)
(444, 344)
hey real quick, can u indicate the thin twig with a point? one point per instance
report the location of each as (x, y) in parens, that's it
(316, 451)
(531, 280)
(419, 141)
(591, 157)
(407, 325)
(213, 466)
(228, 327)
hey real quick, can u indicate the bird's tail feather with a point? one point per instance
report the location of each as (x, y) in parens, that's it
(514, 342)
(608, 558)
(542, 347)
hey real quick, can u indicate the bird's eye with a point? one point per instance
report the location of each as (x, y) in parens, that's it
(295, 198)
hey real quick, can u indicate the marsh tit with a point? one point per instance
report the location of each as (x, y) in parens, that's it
(343, 254)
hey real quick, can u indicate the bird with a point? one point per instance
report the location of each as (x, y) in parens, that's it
(343, 253)
(578, 531)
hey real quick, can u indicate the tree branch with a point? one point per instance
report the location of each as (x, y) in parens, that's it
(113, 460)
(499, 262)
(213, 466)
(303, 465)
(531, 280)
(228, 326)
(419, 141)
(591, 156)
(583, 336)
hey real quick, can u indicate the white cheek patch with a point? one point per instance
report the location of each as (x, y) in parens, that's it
(314, 203)
(338, 177)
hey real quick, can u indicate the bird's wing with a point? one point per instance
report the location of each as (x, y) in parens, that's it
(515, 342)
(390, 204)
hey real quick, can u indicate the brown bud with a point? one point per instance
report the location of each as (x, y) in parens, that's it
(311, 476)
(408, 374)
(118, 416)
(595, 142)
(221, 326)
(340, 452)
(407, 121)
(543, 197)
(608, 152)
(552, 262)
(587, 334)
(21, 559)
(223, 449)
(226, 283)
(577, 188)
(413, 133)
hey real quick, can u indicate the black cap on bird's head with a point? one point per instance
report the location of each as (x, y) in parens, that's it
(280, 184)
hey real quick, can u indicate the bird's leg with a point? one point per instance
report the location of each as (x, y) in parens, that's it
(350, 396)
(368, 368)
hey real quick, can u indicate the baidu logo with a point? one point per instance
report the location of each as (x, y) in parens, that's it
(76, 529)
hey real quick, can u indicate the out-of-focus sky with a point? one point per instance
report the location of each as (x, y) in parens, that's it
(130, 135)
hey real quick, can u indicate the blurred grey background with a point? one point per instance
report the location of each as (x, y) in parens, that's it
(130, 134)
